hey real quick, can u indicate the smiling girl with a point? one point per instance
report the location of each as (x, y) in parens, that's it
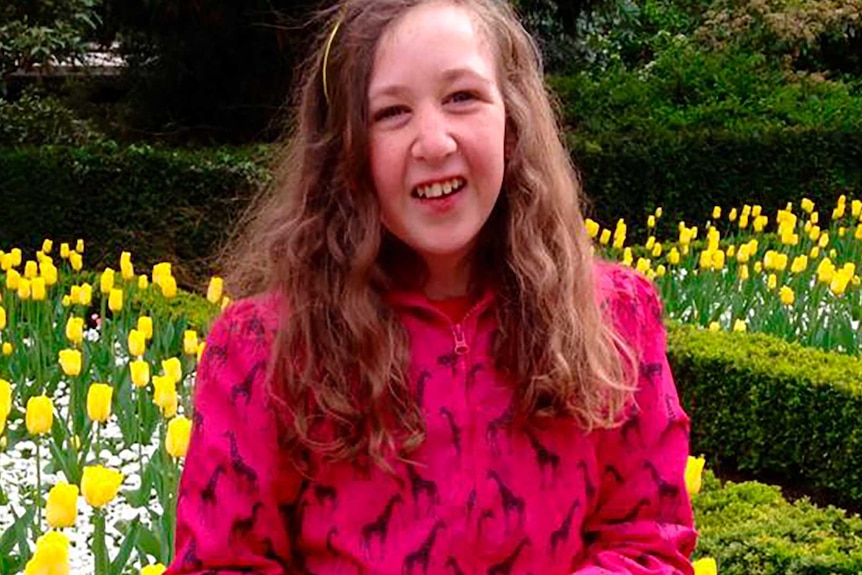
(429, 372)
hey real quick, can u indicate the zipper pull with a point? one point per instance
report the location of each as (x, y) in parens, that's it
(461, 346)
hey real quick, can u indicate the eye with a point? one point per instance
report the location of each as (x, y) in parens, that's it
(390, 112)
(462, 96)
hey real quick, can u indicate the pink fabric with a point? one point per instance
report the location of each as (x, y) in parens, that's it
(487, 498)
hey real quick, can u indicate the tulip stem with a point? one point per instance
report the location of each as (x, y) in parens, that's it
(39, 484)
(98, 450)
(99, 550)
(141, 431)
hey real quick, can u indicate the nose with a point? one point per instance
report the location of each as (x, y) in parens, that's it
(434, 140)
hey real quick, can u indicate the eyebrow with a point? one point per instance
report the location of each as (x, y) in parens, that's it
(448, 76)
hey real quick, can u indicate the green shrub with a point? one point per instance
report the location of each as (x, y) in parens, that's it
(159, 204)
(35, 119)
(773, 409)
(750, 529)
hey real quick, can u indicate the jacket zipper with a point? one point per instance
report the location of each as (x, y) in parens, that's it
(461, 346)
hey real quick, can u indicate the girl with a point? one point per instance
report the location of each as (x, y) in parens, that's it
(430, 372)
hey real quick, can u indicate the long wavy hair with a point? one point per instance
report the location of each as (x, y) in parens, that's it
(315, 238)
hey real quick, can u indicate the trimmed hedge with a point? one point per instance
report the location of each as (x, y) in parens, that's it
(751, 530)
(160, 204)
(772, 409)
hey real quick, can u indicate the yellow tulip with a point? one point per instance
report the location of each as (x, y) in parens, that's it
(70, 361)
(824, 240)
(16, 257)
(100, 485)
(716, 212)
(137, 342)
(127, 270)
(656, 250)
(64, 250)
(48, 271)
(51, 556)
(40, 415)
(758, 267)
(6, 262)
(786, 295)
(62, 506)
(5, 403)
(628, 257)
(177, 438)
(705, 566)
(605, 237)
(140, 372)
(168, 286)
(718, 260)
(743, 254)
(47, 246)
(705, 261)
(76, 260)
(650, 242)
(7, 348)
(807, 205)
(173, 368)
(145, 325)
(165, 390)
(225, 301)
(760, 223)
(106, 281)
(673, 256)
(740, 326)
(713, 326)
(190, 342)
(643, 265)
(79, 246)
(771, 281)
(31, 269)
(658, 212)
(202, 345)
(731, 251)
(815, 253)
(216, 285)
(825, 271)
(2, 318)
(839, 282)
(743, 221)
(156, 569)
(755, 210)
(732, 215)
(143, 282)
(650, 221)
(743, 272)
(591, 225)
(75, 330)
(24, 289)
(99, 402)
(75, 294)
(169, 410)
(815, 218)
(800, 263)
(115, 300)
(160, 271)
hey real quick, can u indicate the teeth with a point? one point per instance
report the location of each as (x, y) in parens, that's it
(440, 189)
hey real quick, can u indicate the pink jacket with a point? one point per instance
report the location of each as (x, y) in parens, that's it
(487, 498)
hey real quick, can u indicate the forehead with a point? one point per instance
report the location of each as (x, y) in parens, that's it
(430, 39)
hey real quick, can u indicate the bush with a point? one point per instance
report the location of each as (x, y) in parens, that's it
(773, 409)
(159, 204)
(750, 529)
(35, 119)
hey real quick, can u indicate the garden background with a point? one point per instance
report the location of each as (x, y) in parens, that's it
(719, 140)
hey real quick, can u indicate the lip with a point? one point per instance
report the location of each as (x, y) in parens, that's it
(437, 181)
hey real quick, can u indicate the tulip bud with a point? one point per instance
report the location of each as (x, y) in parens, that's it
(605, 237)
(156, 569)
(168, 286)
(5, 403)
(106, 281)
(40, 415)
(173, 369)
(62, 505)
(75, 330)
(2, 318)
(64, 250)
(160, 271)
(705, 566)
(140, 372)
(143, 282)
(165, 390)
(24, 289)
(190, 342)
(694, 474)
(99, 402)
(51, 556)
(100, 485)
(714, 326)
(79, 246)
(145, 325)
(48, 272)
(740, 325)
(202, 345)
(215, 289)
(591, 225)
(7, 348)
(76, 260)
(31, 269)
(70, 361)
(115, 300)
(13, 278)
(137, 342)
(177, 438)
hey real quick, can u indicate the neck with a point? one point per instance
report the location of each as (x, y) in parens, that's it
(448, 278)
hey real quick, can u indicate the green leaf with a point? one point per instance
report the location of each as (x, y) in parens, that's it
(17, 532)
(131, 538)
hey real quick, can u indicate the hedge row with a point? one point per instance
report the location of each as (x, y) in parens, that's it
(750, 529)
(773, 409)
(159, 204)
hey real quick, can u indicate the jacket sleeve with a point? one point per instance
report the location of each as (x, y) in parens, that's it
(229, 508)
(642, 522)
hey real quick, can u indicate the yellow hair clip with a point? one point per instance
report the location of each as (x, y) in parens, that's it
(326, 57)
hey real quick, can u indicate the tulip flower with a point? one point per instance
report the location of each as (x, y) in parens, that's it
(177, 438)
(115, 300)
(75, 330)
(24, 288)
(2, 318)
(47, 246)
(605, 237)
(137, 342)
(64, 250)
(140, 373)
(740, 325)
(694, 474)
(143, 282)
(165, 390)
(160, 271)
(100, 485)
(786, 295)
(190, 342)
(62, 506)
(51, 556)
(202, 345)
(16, 257)
(225, 301)
(99, 402)
(216, 287)
(5, 403)
(40, 415)
(106, 281)
(156, 569)
(173, 368)
(76, 260)
(70, 361)
(31, 269)
(7, 348)
(705, 566)
(591, 225)
(79, 246)
(145, 325)
(168, 286)
(127, 270)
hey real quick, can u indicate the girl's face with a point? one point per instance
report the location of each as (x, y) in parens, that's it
(437, 128)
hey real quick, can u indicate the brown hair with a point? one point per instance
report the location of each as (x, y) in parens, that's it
(315, 237)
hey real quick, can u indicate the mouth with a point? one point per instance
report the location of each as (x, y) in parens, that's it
(438, 190)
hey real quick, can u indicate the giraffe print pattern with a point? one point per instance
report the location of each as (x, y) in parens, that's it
(485, 494)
